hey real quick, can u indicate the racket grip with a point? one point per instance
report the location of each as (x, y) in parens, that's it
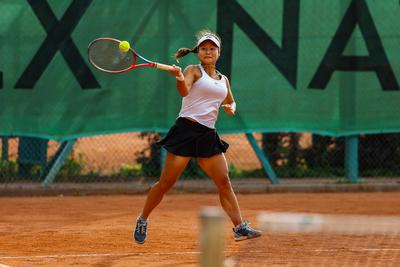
(163, 66)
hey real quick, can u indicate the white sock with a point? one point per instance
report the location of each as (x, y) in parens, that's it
(141, 218)
(238, 226)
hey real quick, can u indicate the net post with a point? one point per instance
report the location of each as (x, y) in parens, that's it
(212, 237)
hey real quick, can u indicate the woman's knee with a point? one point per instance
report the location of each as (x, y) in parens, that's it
(224, 184)
(165, 185)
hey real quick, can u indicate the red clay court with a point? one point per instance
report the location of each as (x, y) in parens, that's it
(97, 231)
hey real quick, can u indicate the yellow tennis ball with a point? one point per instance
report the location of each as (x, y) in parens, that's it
(124, 46)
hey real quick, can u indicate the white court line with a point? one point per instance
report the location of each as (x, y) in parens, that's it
(96, 255)
(3, 265)
(357, 250)
(170, 253)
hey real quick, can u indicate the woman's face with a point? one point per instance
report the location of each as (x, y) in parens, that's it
(208, 52)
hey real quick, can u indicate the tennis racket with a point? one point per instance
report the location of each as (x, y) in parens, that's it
(105, 55)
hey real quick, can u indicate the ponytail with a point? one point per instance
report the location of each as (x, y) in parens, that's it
(183, 52)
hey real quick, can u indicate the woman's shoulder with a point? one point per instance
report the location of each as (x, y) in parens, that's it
(194, 69)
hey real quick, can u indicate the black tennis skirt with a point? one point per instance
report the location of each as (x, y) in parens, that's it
(192, 139)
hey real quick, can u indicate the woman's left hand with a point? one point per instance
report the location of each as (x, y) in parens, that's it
(230, 108)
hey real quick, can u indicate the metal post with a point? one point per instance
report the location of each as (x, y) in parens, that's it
(263, 159)
(163, 152)
(351, 158)
(57, 163)
(4, 148)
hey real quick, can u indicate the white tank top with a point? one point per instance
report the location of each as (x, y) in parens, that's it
(204, 99)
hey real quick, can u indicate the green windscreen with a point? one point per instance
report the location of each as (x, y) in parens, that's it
(328, 67)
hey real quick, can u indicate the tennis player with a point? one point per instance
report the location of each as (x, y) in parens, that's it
(204, 90)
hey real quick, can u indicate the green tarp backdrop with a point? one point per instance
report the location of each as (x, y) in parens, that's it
(323, 66)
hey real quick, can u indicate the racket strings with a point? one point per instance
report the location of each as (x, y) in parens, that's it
(106, 55)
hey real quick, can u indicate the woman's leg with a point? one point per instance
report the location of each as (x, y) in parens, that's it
(173, 168)
(217, 168)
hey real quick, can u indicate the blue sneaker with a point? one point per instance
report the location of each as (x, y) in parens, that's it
(244, 231)
(140, 233)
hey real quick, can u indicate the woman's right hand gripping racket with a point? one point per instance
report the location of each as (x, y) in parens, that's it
(105, 54)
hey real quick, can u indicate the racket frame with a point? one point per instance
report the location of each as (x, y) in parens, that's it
(135, 57)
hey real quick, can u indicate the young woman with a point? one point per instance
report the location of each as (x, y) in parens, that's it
(204, 91)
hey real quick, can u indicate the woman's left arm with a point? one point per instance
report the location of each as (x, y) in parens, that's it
(229, 103)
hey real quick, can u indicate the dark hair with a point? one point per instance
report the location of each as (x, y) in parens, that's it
(183, 51)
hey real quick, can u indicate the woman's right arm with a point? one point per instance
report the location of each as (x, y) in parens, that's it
(185, 80)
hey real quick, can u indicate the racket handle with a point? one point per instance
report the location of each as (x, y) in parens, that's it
(163, 66)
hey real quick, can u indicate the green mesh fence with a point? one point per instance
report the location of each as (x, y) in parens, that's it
(133, 157)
